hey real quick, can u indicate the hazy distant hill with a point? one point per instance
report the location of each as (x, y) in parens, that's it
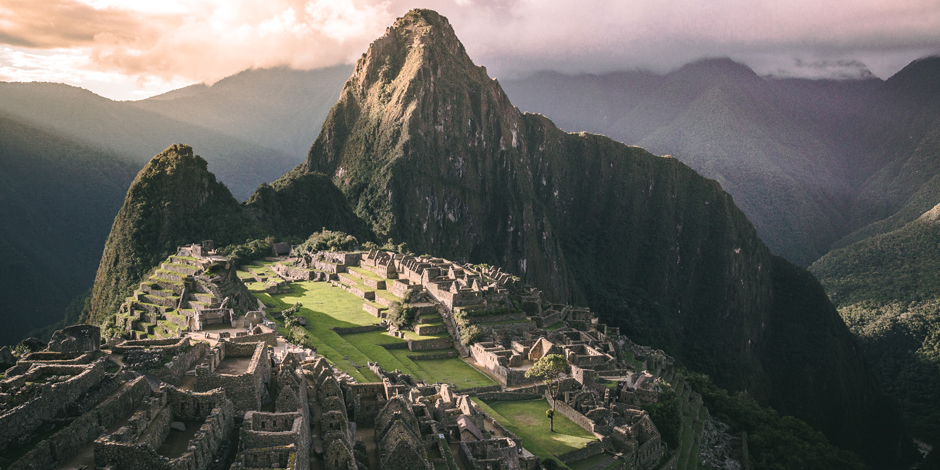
(137, 134)
(774, 145)
(59, 198)
(906, 154)
(277, 108)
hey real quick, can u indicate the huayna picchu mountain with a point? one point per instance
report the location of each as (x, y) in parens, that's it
(175, 200)
(428, 150)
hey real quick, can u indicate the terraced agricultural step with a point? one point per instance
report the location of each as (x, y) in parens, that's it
(430, 329)
(168, 284)
(171, 275)
(179, 268)
(184, 260)
(169, 302)
(202, 297)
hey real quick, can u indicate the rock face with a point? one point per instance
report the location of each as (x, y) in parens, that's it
(429, 150)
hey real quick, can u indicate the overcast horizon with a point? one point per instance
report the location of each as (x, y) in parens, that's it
(136, 49)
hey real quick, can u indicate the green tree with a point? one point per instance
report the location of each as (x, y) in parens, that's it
(667, 416)
(470, 335)
(549, 368)
(401, 316)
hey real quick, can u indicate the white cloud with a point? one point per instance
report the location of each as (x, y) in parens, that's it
(150, 44)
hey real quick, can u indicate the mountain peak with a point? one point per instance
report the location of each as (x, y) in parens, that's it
(412, 93)
(418, 40)
(919, 77)
(718, 68)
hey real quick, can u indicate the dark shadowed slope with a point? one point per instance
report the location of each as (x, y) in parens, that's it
(58, 198)
(887, 289)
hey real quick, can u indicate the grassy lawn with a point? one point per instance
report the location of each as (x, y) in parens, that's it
(387, 295)
(527, 420)
(596, 460)
(325, 307)
(450, 370)
(366, 273)
(561, 324)
(415, 336)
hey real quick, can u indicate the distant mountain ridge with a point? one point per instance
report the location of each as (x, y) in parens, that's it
(278, 108)
(801, 157)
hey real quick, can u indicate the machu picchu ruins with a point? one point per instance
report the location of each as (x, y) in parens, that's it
(358, 360)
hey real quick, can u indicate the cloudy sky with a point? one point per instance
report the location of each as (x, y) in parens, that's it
(132, 49)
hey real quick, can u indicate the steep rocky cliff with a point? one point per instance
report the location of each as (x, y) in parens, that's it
(429, 150)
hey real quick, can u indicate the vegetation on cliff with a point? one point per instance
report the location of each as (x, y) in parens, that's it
(58, 197)
(887, 289)
(774, 442)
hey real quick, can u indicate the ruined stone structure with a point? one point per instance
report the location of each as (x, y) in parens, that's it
(242, 369)
(77, 338)
(192, 289)
(135, 445)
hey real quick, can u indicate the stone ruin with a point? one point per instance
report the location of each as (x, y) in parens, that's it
(190, 290)
(78, 338)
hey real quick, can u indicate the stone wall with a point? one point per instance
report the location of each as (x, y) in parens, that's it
(169, 345)
(551, 318)
(431, 357)
(283, 457)
(508, 396)
(268, 337)
(201, 455)
(576, 417)
(267, 430)
(291, 272)
(53, 401)
(430, 329)
(366, 400)
(53, 358)
(356, 329)
(473, 391)
(476, 319)
(331, 268)
(349, 258)
(430, 344)
(248, 390)
(362, 294)
(64, 444)
(590, 450)
(377, 312)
